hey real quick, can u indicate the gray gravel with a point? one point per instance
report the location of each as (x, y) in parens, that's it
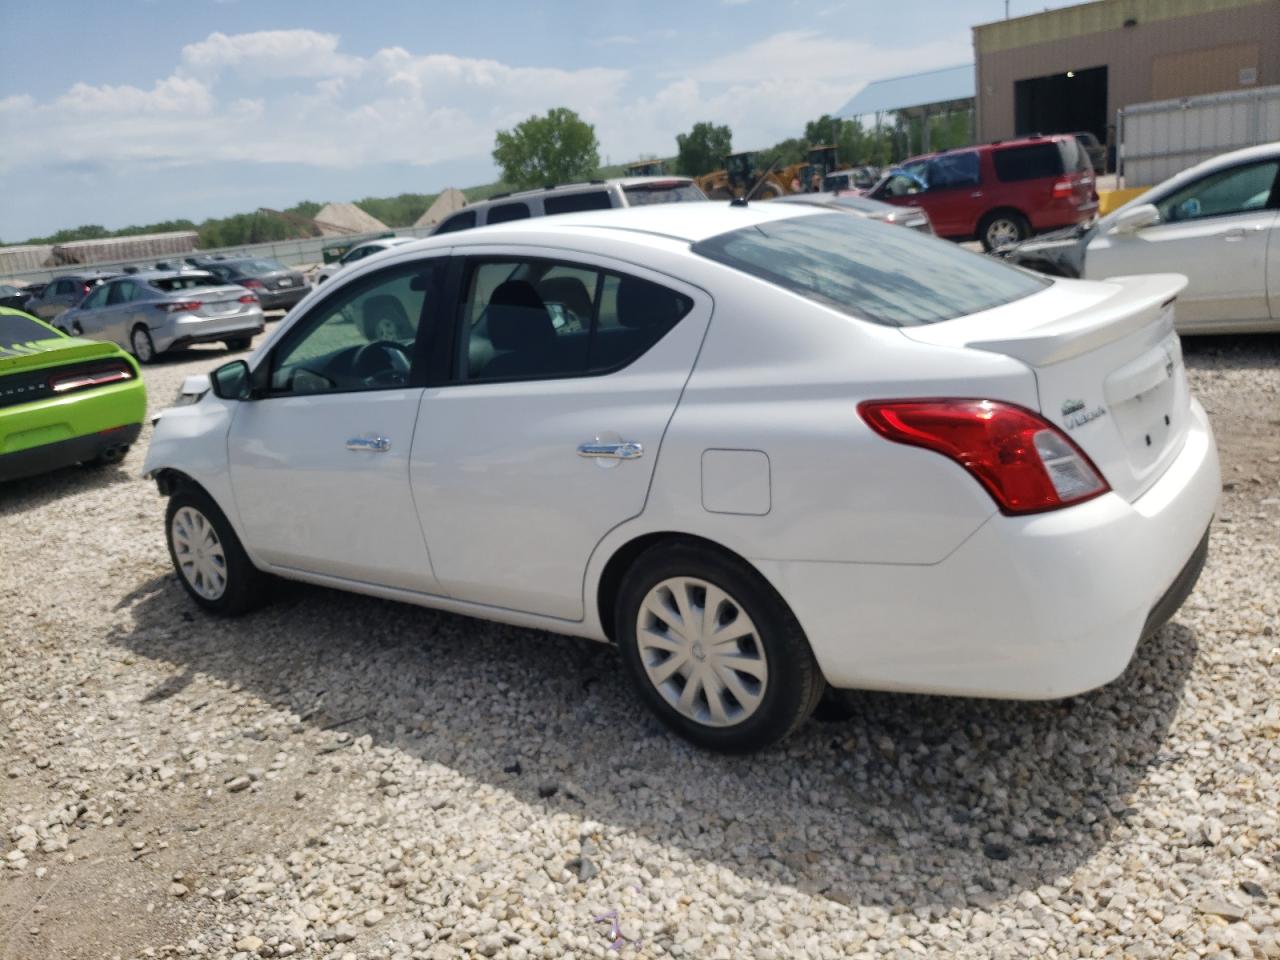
(337, 776)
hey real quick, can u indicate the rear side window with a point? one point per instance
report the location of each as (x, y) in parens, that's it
(121, 292)
(899, 278)
(573, 202)
(541, 320)
(1029, 163)
(459, 221)
(508, 211)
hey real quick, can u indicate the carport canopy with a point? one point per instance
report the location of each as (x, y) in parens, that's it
(920, 95)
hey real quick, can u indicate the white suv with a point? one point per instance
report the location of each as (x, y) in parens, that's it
(359, 253)
(573, 198)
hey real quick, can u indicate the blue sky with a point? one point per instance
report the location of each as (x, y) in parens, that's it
(143, 110)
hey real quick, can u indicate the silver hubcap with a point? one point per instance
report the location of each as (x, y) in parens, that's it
(1002, 232)
(141, 345)
(701, 651)
(199, 552)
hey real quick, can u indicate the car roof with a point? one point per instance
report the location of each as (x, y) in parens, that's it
(164, 274)
(684, 222)
(1027, 141)
(580, 186)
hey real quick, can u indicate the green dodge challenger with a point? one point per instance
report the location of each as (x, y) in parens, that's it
(63, 400)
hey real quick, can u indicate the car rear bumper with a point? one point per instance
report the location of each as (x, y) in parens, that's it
(1028, 608)
(64, 453)
(281, 299)
(188, 329)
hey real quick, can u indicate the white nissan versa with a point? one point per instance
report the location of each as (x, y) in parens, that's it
(760, 448)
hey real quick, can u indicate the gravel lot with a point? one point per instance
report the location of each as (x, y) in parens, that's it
(342, 777)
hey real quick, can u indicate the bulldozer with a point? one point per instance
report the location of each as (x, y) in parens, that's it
(740, 174)
(646, 168)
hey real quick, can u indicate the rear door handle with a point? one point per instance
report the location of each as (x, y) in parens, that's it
(623, 450)
(370, 444)
(975, 195)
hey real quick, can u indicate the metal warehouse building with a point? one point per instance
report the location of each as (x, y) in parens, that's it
(1073, 68)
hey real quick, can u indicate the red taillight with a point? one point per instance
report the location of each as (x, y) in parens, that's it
(252, 284)
(187, 306)
(1063, 189)
(1024, 462)
(70, 380)
(248, 298)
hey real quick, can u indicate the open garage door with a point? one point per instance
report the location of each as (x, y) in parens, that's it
(1062, 103)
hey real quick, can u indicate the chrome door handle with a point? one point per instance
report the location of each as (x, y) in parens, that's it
(975, 195)
(371, 444)
(625, 450)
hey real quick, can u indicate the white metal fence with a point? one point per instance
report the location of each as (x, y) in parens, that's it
(293, 253)
(1166, 137)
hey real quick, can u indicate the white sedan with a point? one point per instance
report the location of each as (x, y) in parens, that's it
(762, 449)
(358, 253)
(1217, 223)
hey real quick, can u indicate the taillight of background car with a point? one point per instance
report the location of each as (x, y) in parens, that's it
(1026, 463)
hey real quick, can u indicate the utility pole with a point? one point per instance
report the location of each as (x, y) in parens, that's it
(1006, 9)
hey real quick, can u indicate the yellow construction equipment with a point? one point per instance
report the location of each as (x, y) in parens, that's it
(742, 172)
(646, 168)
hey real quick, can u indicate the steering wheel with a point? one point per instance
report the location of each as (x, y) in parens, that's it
(382, 363)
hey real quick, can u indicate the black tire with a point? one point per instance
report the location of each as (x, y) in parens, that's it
(794, 682)
(141, 344)
(767, 191)
(237, 344)
(1009, 224)
(245, 585)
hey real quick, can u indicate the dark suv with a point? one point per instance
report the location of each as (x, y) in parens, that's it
(999, 193)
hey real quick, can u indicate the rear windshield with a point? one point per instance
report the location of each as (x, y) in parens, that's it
(188, 282)
(15, 330)
(1035, 161)
(896, 277)
(258, 267)
(679, 191)
(575, 202)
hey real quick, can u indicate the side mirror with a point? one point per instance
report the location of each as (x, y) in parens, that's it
(231, 381)
(1134, 219)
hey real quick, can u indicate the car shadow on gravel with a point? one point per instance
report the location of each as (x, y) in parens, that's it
(915, 802)
(1245, 351)
(18, 497)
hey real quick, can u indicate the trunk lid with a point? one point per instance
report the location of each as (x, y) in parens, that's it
(1108, 367)
(221, 301)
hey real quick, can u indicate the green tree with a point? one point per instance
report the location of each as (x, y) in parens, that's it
(785, 152)
(558, 148)
(703, 149)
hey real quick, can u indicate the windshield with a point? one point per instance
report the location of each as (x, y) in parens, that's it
(15, 330)
(899, 278)
(662, 192)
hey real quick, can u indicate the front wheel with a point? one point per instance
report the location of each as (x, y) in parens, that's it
(208, 557)
(713, 650)
(1003, 228)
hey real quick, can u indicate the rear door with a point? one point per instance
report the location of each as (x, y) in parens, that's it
(1215, 231)
(567, 369)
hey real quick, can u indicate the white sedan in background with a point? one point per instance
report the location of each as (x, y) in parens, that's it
(358, 253)
(1218, 224)
(761, 448)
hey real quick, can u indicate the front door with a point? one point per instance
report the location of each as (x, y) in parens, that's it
(566, 373)
(1214, 230)
(320, 461)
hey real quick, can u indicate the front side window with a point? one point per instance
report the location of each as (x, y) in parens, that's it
(898, 278)
(1032, 162)
(459, 221)
(1238, 190)
(362, 337)
(538, 319)
(98, 298)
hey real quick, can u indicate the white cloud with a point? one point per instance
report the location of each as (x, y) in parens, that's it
(294, 96)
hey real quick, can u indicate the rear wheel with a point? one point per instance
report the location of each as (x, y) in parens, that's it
(767, 191)
(713, 650)
(1002, 228)
(208, 557)
(143, 346)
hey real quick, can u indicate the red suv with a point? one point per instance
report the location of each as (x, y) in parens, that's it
(1001, 193)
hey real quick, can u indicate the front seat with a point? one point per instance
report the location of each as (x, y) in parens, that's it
(521, 332)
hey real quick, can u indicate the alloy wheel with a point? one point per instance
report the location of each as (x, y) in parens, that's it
(142, 348)
(1002, 232)
(701, 651)
(199, 553)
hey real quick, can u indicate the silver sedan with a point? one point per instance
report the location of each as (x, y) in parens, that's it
(156, 311)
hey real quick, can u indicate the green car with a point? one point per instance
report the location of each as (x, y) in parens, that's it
(63, 400)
